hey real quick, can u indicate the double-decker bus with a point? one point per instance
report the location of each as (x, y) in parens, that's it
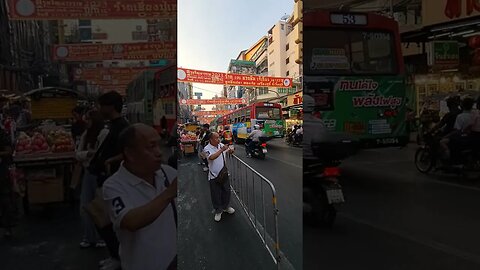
(354, 70)
(267, 115)
(151, 98)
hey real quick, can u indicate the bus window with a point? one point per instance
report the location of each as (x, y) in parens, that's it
(349, 52)
(268, 113)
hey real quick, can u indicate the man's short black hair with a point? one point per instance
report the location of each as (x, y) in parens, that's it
(112, 98)
(127, 138)
(206, 126)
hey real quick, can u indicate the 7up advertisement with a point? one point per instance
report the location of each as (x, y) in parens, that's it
(372, 108)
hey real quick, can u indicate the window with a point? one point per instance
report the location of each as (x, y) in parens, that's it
(349, 52)
(283, 26)
(287, 61)
(287, 47)
(287, 74)
(268, 113)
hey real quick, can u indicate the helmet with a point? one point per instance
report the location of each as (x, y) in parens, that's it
(308, 104)
(256, 127)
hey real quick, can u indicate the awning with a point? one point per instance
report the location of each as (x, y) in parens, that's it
(450, 30)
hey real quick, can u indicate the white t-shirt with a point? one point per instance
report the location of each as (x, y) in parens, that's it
(255, 135)
(464, 120)
(476, 121)
(216, 165)
(154, 246)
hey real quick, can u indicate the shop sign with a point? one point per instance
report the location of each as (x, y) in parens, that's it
(108, 74)
(119, 51)
(214, 113)
(441, 11)
(220, 101)
(200, 76)
(445, 54)
(101, 9)
(296, 99)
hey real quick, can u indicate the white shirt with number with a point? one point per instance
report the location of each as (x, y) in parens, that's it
(464, 120)
(154, 246)
(216, 165)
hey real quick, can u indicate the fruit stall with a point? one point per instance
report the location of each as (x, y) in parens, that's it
(188, 143)
(45, 154)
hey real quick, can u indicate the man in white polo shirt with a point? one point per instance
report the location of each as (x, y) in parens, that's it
(220, 192)
(140, 197)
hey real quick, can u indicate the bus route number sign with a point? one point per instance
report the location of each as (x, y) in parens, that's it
(350, 19)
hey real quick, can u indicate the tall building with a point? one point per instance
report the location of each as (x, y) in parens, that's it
(185, 91)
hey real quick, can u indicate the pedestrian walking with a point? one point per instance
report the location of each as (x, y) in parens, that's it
(89, 143)
(105, 162)
(140, 197)
(218, 176)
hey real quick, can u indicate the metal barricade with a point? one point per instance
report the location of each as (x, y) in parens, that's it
(249, 186)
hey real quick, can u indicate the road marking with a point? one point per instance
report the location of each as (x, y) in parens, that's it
(425, 242)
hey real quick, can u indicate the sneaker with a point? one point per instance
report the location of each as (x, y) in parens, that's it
(104, 262)
(205, 169)
(218, 217)
(100, 244)
(85, 244)
(111, 265)
(229, 210)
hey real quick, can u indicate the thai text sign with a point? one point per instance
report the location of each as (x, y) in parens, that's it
(100, 9)
(101, 76)
(200, 76)
(222, 101)
(445, 54)
(119, 51)
(214, 113)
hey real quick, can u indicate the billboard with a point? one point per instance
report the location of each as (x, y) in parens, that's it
(220, 101)
(200, 76)
(101, 9)
(118, 51)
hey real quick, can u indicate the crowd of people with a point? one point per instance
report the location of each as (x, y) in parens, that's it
(128, 195)
(127, 200)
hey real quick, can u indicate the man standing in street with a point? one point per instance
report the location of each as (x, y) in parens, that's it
(219, 188)
(140, 197)
(107, 161)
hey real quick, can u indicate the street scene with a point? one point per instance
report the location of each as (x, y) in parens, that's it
(87, 107)
(240, 109)
(390, 155)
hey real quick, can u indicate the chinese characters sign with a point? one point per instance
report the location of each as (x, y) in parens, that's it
(100, 9)
(125, 51)
(200, 76)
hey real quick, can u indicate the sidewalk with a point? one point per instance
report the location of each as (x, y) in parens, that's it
(203, 243)
(48, 239)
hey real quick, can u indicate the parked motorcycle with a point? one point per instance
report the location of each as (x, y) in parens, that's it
(259, 150)
(428, 158)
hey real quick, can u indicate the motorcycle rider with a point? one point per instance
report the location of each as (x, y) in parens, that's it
(314, 127)
(255, 138)
(458, 139)
(227, 136)
(448, 120)
(298, 134)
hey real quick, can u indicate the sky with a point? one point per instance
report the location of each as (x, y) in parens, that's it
(212, 32)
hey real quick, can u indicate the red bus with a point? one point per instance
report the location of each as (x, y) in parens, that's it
(267, 115)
